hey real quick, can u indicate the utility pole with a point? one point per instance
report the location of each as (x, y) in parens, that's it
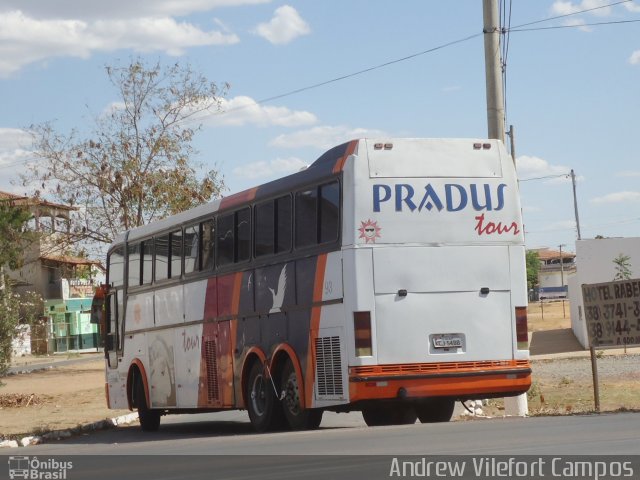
(493, 70)
(510, 133)
(495, 123)
(575, 202)
(561, 266)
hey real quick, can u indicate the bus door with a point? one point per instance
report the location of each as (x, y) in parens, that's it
(113, 327)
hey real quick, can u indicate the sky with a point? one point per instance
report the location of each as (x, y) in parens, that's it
(572, 91)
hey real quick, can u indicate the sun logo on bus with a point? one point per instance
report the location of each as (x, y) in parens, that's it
(369, 230)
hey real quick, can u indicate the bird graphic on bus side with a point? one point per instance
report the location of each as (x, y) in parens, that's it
(278, 295)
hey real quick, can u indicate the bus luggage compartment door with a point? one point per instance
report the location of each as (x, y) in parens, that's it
(431, 304)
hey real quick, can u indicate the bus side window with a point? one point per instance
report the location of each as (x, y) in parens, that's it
(329, 212)
(147, 262)
(162, 257)
(306, 218)
(243, 235)
(120, 322)
(176, 254)
(208, 243)
(112, 323)
(283, 224)
(116, 267)
(224, 239)
(192, 249)
(265, 229)
(133, 253)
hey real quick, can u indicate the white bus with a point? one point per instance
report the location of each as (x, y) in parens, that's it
(388, 278)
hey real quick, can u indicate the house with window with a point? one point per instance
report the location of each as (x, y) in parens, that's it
(556, 267)
(65, 283)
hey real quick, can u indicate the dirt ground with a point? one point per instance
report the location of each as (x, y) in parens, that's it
(59, 398)
(67, 396)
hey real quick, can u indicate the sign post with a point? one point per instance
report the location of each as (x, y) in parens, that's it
(612, 315)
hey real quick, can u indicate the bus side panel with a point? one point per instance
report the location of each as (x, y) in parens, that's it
(359, 297)
(519, 293)
(187, 360)
(162, 373)
(216, 366)
(330, 340)
(169, 306)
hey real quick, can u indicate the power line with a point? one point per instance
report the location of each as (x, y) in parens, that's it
(359, 72)
(556, 27)
(579, 12)
(424, 52)
(566, 175)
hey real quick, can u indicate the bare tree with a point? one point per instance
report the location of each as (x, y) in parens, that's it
(136, 165)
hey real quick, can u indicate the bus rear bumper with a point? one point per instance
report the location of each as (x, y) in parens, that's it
(461, 380)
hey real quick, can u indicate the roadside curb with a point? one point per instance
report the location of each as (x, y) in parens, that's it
(105, 424)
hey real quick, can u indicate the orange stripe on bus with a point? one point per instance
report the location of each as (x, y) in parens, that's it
(313, 331)
(238, 198)
(351, 148)
(237, 287)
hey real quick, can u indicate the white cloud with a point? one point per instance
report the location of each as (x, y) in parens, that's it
(286, 25)
(25, 39)
(121, 9)
(15, 154)
(632, 7)
(263, 169)
(324, 137)
(634, 59)
(562, 7)
(242, 110)
(617, 197)
(535, 167)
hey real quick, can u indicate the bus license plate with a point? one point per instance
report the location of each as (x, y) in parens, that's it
(447, 342)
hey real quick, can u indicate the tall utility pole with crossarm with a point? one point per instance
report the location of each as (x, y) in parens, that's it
(496, 123)
(493, 70)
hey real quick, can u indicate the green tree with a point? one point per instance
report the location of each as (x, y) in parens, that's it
(623, 267)
(13, 238)
(533, 268)
(135, 166)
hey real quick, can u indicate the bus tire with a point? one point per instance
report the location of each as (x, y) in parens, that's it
(149, 418)
(298, 417)
(436, 409)
(265, 411)
(379, 415)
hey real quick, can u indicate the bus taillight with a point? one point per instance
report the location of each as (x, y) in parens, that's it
(362, 329)
(522, 336)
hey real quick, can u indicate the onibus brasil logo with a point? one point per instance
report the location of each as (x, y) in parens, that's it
(33, 468)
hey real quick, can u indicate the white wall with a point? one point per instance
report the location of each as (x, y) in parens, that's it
(595, 265)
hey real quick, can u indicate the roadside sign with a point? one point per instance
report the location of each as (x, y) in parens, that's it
(612, 313)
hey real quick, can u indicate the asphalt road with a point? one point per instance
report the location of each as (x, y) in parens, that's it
(223, 445)
(229, 433)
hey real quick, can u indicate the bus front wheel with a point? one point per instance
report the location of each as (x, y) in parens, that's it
(298, 417)
(378, 415)
(149, 418)
(264, 409)
(436, 409)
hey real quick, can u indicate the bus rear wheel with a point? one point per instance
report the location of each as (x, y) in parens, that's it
(379, 415)
(298, 417)
(149, 418)
(265, 411)
(436, 409)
